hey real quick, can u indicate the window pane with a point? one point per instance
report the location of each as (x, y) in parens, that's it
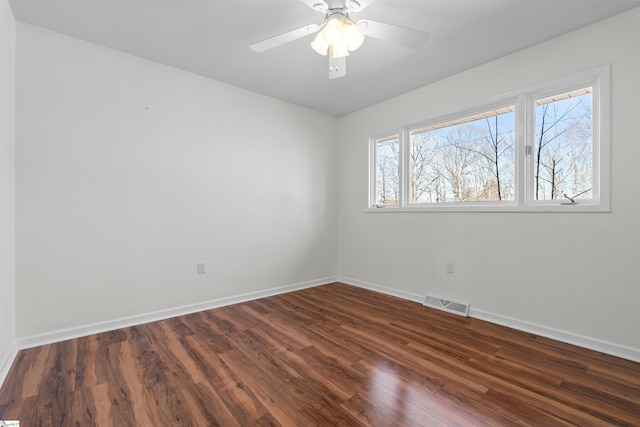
(469, 159)
(387, 170)
(563, 146)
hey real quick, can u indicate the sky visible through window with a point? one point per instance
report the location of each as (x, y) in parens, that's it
(563, 151)
(387, 170)
(471, 159)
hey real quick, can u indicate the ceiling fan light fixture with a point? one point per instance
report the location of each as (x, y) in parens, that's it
(319, 44)
(338, 36)
(353, 34)
(332, 32)
(340, 49)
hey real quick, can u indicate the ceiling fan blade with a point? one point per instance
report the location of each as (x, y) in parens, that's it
(319, 5)
(283, 38)
(325, 5)
(407, 37)
(357, 5)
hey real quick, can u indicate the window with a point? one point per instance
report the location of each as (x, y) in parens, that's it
(541, 149)
(469, 159)
(387, 167)
(563, 146)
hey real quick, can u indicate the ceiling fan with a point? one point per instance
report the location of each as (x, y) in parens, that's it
(338, 34)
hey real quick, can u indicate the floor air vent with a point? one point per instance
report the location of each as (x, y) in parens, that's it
(455, 307)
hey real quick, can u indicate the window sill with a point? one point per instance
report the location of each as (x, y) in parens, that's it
(556, 207)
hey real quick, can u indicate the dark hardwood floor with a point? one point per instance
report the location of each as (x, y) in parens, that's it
(334, 355)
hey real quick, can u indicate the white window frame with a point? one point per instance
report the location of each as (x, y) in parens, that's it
(598, 78)
(373, 169)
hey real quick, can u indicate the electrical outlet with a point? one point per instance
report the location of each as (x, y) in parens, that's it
(200, 268)
(449, 268)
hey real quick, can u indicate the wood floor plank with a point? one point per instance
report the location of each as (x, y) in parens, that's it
(82, 411)
(212, 409)
(265, 421)
(144, 410)
(280, 338)
(412, 388)
(322, 338)
(329, 355)
(124, 402)
(24, 382)
(447, 340)
(55, 397)
(236, 397)
(231, 317)
(264, 396)
(87, 351)
(100, 395)
(470, 402)
(174, 353)
(344, 381)
(416, 362)
(323, 410)
(523, 413)
(179, 326)
(208, 331)
(384, 411)
(158, 379)
(14, 409)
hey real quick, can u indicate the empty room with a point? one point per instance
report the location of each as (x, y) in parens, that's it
(308, 212)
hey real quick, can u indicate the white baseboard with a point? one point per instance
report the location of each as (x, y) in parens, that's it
(559, 335)
(382, 289)
(110, 325)
(8, 361)
(606, 347)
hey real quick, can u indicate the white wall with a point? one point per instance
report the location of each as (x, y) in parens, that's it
(130, 172)
(572, 272)
(7, 185)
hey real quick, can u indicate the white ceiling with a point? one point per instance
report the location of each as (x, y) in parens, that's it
(211, 38)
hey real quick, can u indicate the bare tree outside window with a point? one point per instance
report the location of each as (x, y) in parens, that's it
(563, 146)
(387, 170)
(469, 159)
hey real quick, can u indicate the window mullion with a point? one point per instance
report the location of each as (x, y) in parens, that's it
(404, 168)
(372, 172)
(524, 150)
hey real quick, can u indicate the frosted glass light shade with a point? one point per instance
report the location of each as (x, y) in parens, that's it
(353, 34)
(332, 32)
(319, 44)
(339, 49)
